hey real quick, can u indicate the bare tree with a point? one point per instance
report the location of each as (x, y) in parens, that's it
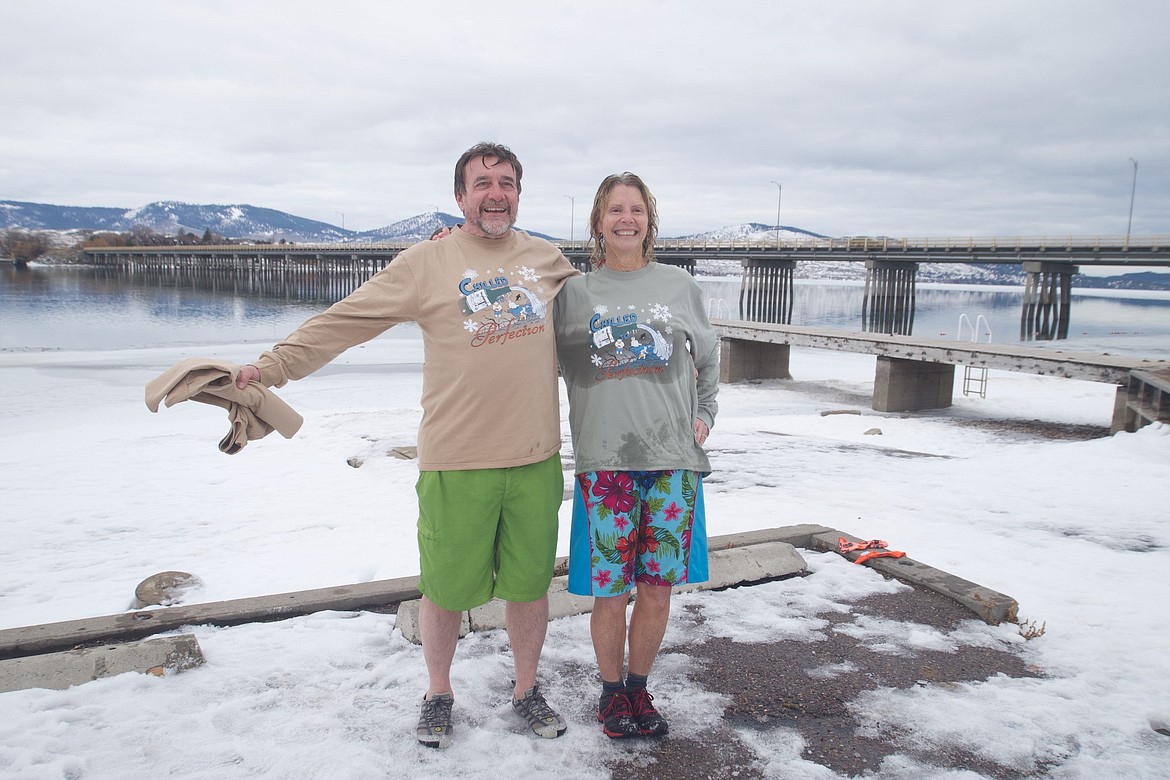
(23, 247)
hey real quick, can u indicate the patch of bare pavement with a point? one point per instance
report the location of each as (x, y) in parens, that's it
(768, 686)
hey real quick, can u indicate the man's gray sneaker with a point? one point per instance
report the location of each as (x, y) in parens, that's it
(434, 726)
(542, 719)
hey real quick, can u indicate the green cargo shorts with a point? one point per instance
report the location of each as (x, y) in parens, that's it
(487, 533)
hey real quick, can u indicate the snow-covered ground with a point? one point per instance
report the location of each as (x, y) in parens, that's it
(99, 494)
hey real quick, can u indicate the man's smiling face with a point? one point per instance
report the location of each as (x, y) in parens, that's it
(493, 195)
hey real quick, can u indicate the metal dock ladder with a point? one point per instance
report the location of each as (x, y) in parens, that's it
(974, 378)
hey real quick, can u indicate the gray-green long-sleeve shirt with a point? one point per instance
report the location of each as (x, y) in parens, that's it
(629, 344)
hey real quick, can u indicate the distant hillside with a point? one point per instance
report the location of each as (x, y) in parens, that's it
(239, 221)
(752, 231)
(42, 216)
(414, 228)
(170, 217)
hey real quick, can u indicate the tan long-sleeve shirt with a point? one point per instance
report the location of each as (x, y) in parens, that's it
(484, 306)
(253, 412)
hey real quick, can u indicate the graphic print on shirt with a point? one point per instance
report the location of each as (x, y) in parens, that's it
(630, 340)
(502, 306)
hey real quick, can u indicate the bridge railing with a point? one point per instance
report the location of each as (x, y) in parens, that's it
(843, 244)
(892, 244)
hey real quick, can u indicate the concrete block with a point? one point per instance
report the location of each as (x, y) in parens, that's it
(739, 565)
(561, 603)
(726, 567)
(406, 621)
(58, 671)
(902, 385)
(491, 615)
(741, 360)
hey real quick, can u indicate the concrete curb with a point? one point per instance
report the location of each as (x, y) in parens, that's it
(59, 671)
(735, 559)
(727, 567)
(127, 626)
(990, 606)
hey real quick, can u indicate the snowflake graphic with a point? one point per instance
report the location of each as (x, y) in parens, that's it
(595, 359)
(660, 312)
(669, 330)
(471, 273)
(601, 309)
(528, 274)
(471, 326)
(501, 270)
(633, 308)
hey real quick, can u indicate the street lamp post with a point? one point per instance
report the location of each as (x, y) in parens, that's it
(572, 215)
(342, 213)
(1132, 190)
(779, 193)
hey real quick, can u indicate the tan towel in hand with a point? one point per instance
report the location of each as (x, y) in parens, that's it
(254, 412)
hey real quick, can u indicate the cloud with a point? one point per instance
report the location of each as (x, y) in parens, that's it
(893, 118)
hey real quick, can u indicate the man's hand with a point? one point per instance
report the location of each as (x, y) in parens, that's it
(442, 232)
(701, 432)
(248, 373)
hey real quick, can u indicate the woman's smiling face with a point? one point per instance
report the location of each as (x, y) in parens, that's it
(625, 220)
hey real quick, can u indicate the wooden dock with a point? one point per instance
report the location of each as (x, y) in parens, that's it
(918, 373)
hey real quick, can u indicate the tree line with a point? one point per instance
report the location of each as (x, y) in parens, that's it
(25, 246)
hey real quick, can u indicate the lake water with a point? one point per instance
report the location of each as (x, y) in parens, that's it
(79, 308)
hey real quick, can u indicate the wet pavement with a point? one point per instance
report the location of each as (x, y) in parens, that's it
(768, 687)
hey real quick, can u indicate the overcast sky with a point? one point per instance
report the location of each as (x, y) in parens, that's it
(880, 118)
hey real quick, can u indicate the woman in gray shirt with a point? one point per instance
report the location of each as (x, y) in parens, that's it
(641, 364)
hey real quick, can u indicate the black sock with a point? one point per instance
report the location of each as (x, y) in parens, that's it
(635, 681)
(609, 688)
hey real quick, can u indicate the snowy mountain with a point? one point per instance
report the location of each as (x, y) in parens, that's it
(42, 216)
(416, 228)
(230, 221)
(753, 231)
(169, 218)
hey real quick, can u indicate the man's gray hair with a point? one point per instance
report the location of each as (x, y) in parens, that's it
(484, 150)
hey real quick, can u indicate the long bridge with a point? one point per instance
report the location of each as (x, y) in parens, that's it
(911, 373)
(1081, 250)
(768, 267)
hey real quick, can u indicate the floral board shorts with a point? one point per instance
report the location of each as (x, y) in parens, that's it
(636, 526)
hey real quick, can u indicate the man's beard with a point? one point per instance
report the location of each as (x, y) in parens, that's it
(500, 225)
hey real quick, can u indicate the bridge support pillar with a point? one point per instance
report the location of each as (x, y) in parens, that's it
(1122, 417)
(1047, 301)
(888, 305)
(740, 360)
(765, 291)
(902, 385)
(1144, 400)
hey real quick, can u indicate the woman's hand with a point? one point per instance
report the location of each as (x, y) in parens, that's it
(701, 432)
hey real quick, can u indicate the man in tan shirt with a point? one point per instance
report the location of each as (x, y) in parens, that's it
(490, 482)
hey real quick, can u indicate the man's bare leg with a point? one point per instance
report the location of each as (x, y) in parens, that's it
(439, 631)
(527, 624)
